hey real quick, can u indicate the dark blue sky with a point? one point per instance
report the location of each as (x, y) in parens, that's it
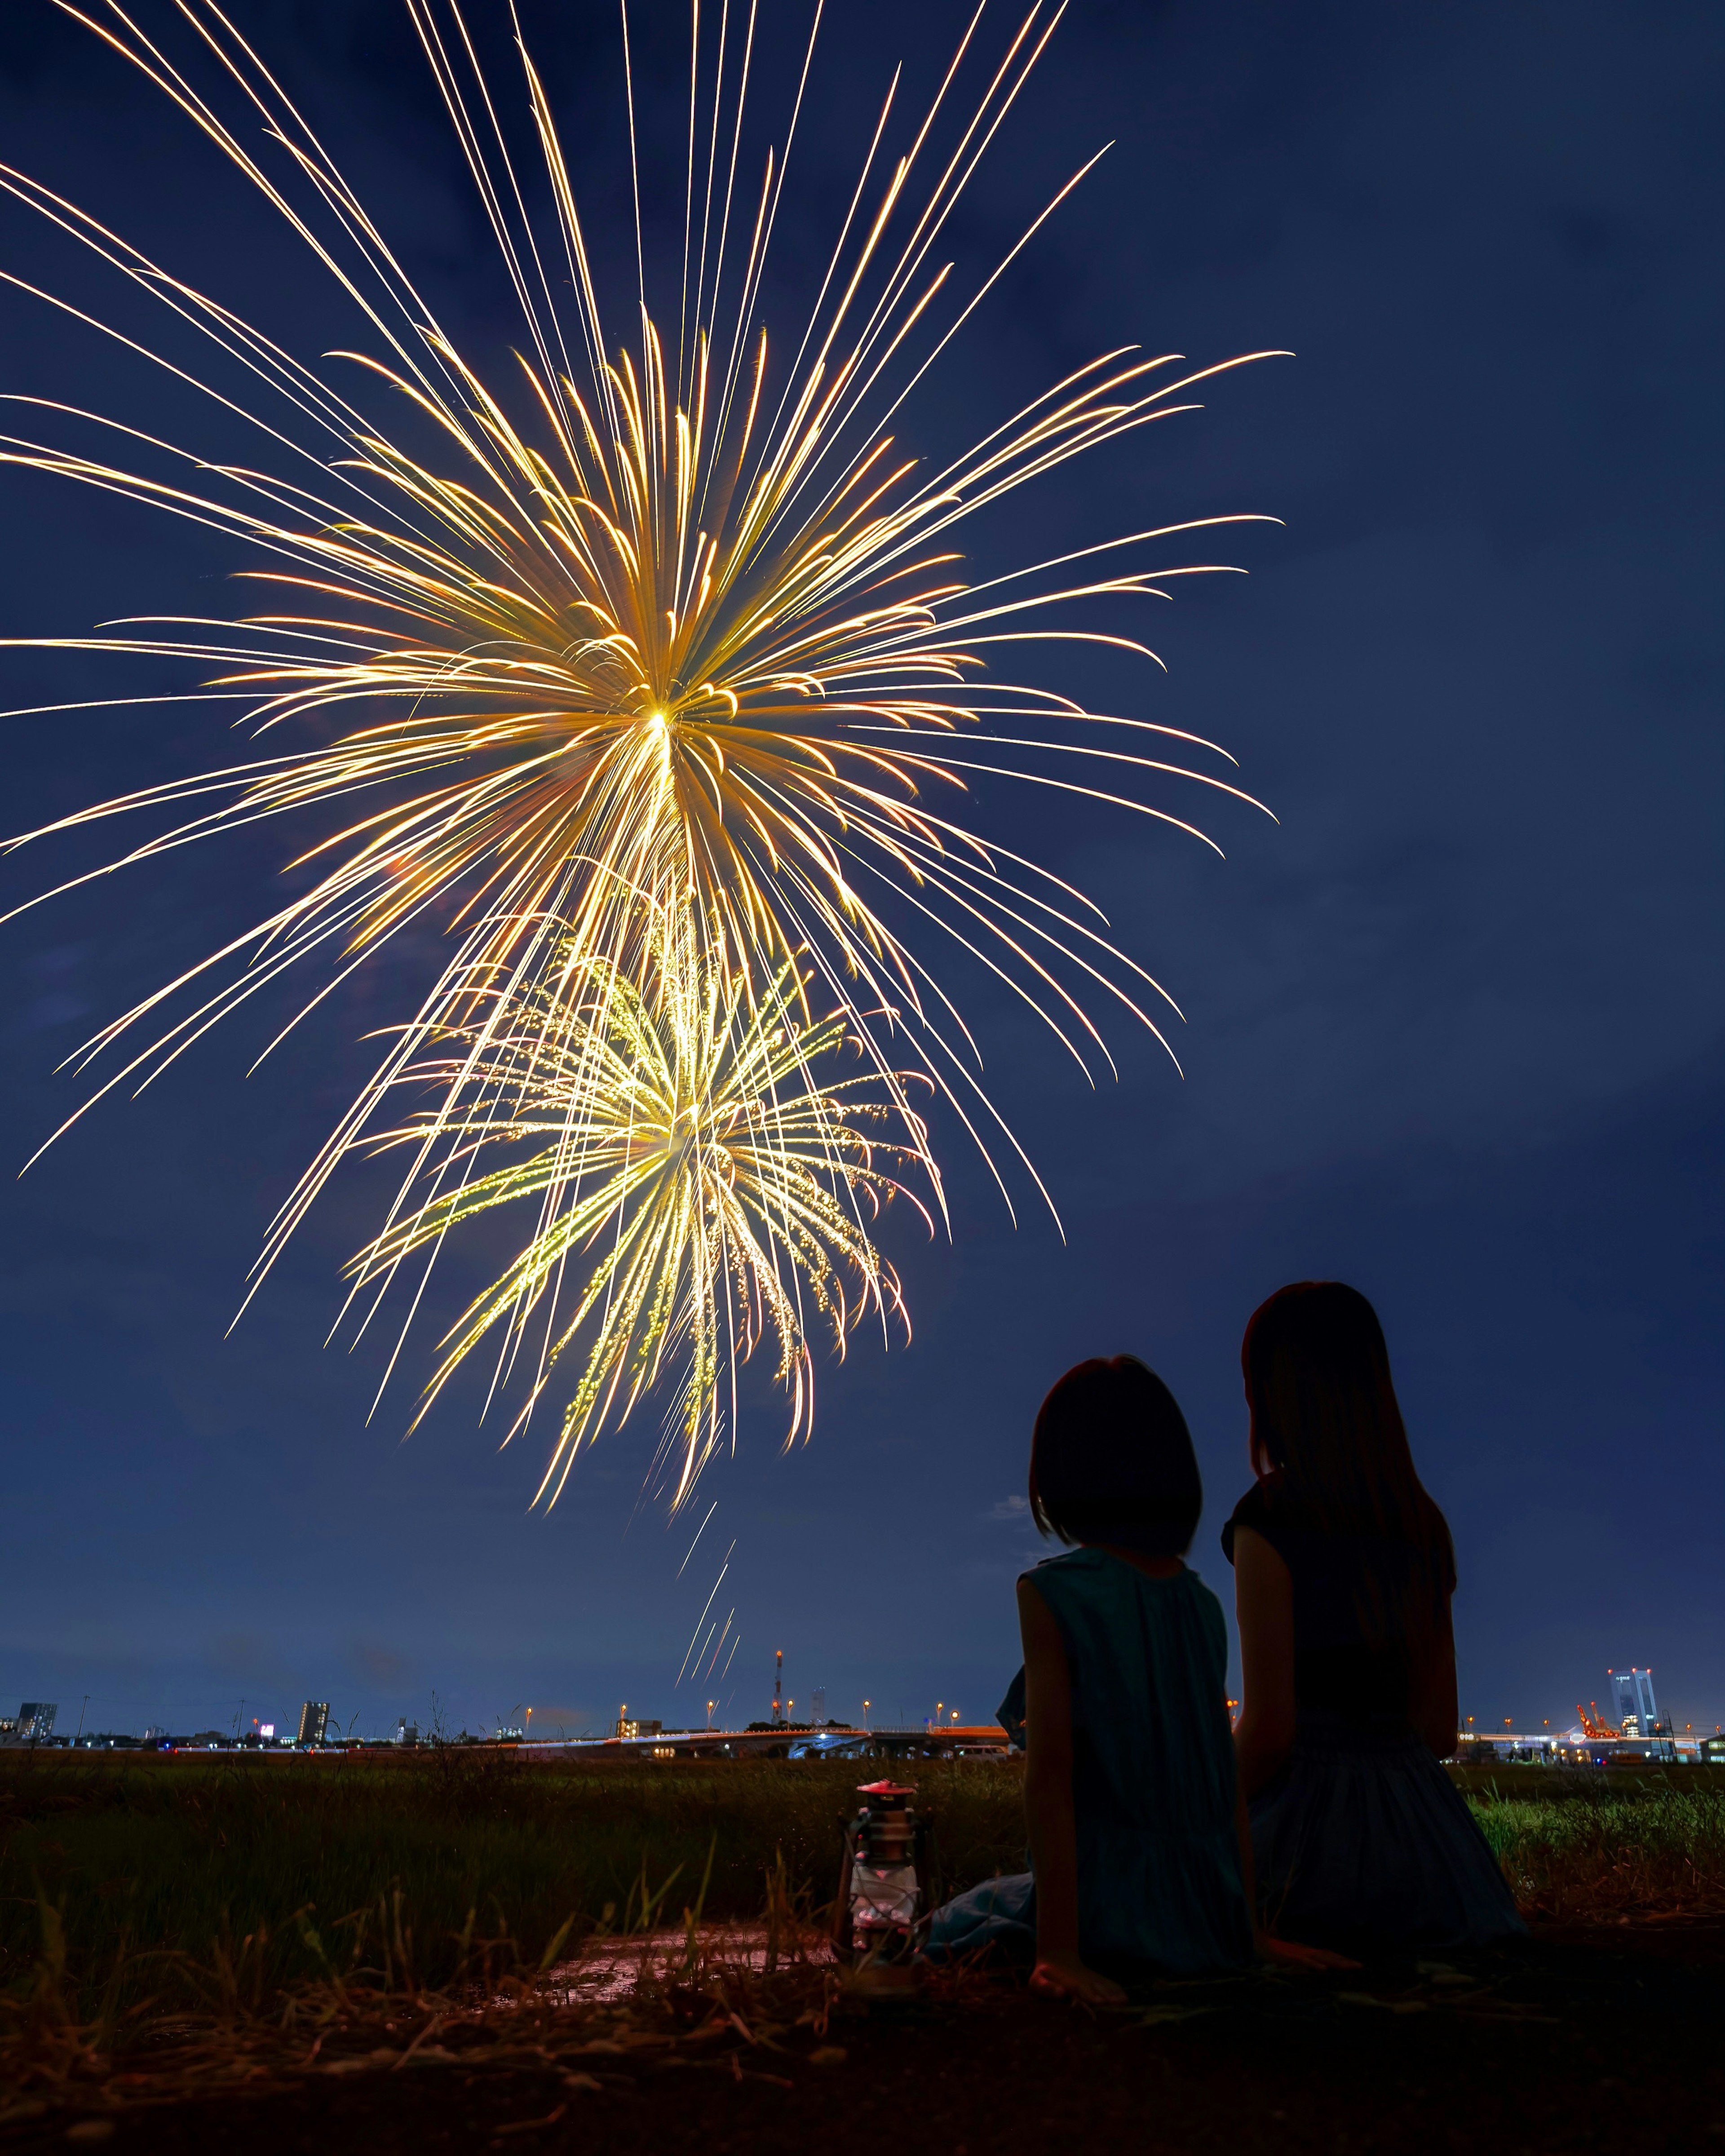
(1454, 1024)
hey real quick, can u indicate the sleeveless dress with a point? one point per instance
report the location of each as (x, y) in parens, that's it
(1361, 1842)
(1153, 1786)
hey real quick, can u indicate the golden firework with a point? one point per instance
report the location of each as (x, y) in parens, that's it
(647, 635)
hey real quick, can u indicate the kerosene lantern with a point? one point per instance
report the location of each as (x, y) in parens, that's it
(883, 1887)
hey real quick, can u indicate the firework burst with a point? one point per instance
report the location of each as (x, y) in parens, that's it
(670, 633)
(705, 1189)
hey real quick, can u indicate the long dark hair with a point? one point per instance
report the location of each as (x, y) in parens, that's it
(1327, 1428)
(1112, 1461)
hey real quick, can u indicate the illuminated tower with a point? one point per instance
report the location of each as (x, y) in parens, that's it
(1637, 1710)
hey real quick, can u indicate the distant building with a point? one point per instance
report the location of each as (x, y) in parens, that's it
(818, 1706)
(1473, 1747)
(637, 1726)
(35, 1717)
(1637, 1710)
(314, 1720)
(406, 1732)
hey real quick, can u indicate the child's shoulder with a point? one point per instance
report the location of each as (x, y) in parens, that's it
(1065, 1561)
(1185, 1582)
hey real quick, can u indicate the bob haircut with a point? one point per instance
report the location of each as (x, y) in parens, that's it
(1112, 1461)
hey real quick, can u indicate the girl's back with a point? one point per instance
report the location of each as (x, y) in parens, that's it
(1345, 1572)
(1136, 1832)
(1153, 1763)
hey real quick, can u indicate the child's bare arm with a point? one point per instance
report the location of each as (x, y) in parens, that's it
(1264, 1603)
(1242, 1835)
(1048, 1805)
(1433, 1708)
(1266, 1612)
(1048, 1773)
(1268, 1947)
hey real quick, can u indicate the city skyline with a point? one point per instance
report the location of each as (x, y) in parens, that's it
(433, 1720)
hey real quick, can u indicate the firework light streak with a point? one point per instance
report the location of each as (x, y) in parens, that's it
(720, 1650)
(689, 1651)
(699, 1533)
(639, 635)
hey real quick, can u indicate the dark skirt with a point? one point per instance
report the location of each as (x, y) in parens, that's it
(1363, 1843)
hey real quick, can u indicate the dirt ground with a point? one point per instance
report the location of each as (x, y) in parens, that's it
(1579, 2039)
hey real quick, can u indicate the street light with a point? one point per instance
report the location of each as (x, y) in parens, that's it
(867, 1704)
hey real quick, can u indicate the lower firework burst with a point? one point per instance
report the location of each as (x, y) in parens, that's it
(705, 1189)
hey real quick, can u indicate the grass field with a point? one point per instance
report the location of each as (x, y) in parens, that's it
(147, 1874)
(1587, 1847)
(288, 1864)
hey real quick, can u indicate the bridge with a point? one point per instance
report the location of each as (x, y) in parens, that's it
(787, 1741)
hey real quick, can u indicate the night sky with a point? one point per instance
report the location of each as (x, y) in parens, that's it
(1454, 1024)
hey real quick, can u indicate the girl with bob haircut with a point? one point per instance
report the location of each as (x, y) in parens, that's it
(1138, 1839)
(1344, 1572)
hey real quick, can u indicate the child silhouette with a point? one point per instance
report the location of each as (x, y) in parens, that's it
(1344, 1573)
(1139, 1847)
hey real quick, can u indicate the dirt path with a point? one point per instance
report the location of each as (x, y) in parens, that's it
(1580, 2040)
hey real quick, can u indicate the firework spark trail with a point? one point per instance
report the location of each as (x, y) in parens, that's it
(701, 1619)
(699, 1533)
(641, 643)
(720, 1649)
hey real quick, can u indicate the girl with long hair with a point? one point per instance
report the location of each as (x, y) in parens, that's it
(1344, 1572)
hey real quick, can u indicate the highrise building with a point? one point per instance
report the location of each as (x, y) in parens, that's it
(35, 1717)
(1637, 1710)
(314, 1720)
